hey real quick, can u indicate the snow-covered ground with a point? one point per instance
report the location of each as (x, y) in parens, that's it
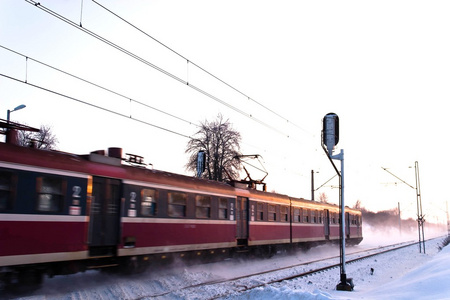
(403, 274)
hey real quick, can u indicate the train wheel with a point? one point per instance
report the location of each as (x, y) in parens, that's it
(31, 277)
(265, 251)
(134, 265)
(25, 280)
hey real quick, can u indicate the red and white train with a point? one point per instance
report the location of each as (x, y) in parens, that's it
(62, 213)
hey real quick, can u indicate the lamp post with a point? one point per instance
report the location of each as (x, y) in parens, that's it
(11, 135)
(15, 109)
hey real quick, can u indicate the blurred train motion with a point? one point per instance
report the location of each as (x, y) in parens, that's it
(62, 213)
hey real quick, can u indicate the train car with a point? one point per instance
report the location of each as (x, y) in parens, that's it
(279, 220)
(62, 213)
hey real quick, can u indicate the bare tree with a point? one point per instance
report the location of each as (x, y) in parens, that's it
(221, 145)
(44, 139)
(323, 198)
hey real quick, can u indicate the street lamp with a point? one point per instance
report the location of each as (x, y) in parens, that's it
(15, 109)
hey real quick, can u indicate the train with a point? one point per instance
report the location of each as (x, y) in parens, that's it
(63, 213)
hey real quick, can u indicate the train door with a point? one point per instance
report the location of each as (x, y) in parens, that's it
(326, 223)
(242, 221)
(104, 221)
(347, 224)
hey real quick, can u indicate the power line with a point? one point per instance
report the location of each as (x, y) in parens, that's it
(97, 106)
(93, 105)
(196, 65)
(140, 59)
(91, 83)
(144, 61)
(95, 85)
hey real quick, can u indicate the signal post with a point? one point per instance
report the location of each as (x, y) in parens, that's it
(330, 138)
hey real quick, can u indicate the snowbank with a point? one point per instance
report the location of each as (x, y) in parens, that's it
(285, 293)
(430, 280)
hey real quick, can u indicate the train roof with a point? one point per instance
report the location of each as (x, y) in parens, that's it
(98, 164)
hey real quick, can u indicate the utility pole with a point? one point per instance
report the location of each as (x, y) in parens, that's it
(420, 216)
(448, 222)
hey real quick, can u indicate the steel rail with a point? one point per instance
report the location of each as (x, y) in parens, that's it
(383, 249)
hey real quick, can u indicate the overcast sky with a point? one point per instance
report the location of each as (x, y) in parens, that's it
(381, 66)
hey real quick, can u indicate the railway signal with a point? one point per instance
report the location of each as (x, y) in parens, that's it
(330, 131)
(330, 138)
(201, 163)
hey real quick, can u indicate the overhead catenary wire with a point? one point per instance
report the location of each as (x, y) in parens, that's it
(27, 58)
(100, 107)
(196, 65)
(140, 59)
(95, 85)
(92, 105)
(146, 62)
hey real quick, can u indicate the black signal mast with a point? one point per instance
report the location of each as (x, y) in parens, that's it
(330, 138)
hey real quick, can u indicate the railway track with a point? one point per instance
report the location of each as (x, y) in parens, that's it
(243, 283)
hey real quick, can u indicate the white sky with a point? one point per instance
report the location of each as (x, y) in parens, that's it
(382, 66)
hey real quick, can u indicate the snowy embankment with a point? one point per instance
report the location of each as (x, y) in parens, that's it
(403, 274)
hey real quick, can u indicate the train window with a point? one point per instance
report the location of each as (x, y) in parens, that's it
(50, 194)
(297, 217)
(223, 208)
(259, 211)
(148, 202)
(6, 191)
(284, 213)
(272, 213)
(313, 216)
(177, 205)
(305, 216)
(202, 207)
(354, 219)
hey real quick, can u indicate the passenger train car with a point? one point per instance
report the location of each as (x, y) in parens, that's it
(62, 213)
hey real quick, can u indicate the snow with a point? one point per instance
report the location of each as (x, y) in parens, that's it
(428, 281)
(403, 274)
